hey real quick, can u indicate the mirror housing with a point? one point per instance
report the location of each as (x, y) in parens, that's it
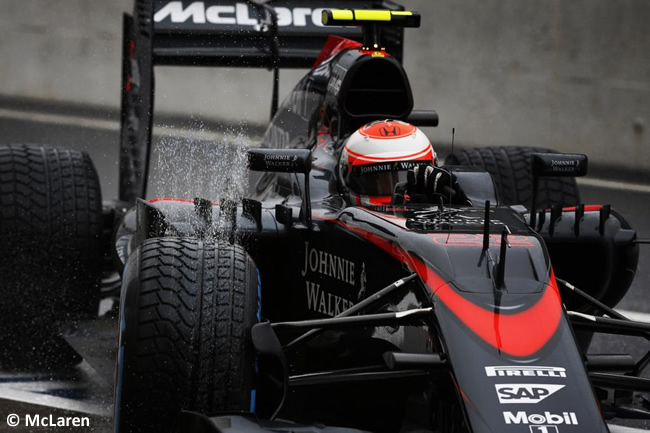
(280, 160)
(559, 164)
(285, 161)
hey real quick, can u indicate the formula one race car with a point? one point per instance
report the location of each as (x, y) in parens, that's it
(362, 285)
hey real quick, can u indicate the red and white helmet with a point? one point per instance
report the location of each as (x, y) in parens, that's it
(377, 156)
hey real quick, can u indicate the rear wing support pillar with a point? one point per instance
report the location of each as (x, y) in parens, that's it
(137, 104)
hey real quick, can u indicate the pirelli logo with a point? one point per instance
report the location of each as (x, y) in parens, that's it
(525, 371)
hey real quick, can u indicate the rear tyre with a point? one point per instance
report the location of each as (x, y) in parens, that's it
(50, 249)
(187, 310)
(510, 168)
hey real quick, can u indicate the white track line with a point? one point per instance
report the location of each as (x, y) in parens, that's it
(610, 184)
(60, 119)
(37, 391)
(635, 315)
(621, 429)
(114, 126)
(196, 134)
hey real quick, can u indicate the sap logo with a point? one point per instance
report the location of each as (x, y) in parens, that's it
(525, 393)
(521, 417)
(518, 371)
(237, 14)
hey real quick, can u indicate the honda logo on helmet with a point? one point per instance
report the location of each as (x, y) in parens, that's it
(390, 130)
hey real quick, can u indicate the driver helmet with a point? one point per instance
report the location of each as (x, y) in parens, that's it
(377, 157)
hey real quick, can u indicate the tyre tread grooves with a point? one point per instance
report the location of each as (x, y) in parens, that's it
(191, 332)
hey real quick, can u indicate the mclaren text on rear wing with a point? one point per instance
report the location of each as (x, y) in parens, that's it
(239, 33)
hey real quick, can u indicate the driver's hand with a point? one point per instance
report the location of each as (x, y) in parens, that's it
(424, 181)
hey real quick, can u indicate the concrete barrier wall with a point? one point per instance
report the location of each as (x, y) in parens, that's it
(570, 75)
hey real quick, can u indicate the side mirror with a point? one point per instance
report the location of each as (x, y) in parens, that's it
(554, 165)
(285, 161)
(559, 164)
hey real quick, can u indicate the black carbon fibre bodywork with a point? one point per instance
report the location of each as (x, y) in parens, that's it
(351, 252)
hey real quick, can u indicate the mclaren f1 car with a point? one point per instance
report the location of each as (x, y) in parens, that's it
(462, 307)
(461, 299)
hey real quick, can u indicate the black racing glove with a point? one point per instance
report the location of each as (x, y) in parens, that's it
(426, 181)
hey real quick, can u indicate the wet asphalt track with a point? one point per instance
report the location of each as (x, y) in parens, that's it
(89, 387)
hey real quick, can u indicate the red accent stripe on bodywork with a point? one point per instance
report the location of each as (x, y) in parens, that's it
(175, 200)
(462, 394)
(588, 208)
(178, 200)
(519, 334)
(333, 46)
(373, 200)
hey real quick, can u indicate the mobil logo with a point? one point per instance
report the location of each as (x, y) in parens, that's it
(539, 419)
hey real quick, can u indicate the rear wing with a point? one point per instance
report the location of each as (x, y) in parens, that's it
(233, 33)
(238, 33)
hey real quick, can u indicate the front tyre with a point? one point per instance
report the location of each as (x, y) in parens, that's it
(187, 310)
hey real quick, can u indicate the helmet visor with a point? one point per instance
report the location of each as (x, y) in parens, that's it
(377, 183)
(381, 178)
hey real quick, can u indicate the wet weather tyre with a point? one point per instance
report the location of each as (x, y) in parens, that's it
(511, 171)
(50, 246)
(187, 310)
